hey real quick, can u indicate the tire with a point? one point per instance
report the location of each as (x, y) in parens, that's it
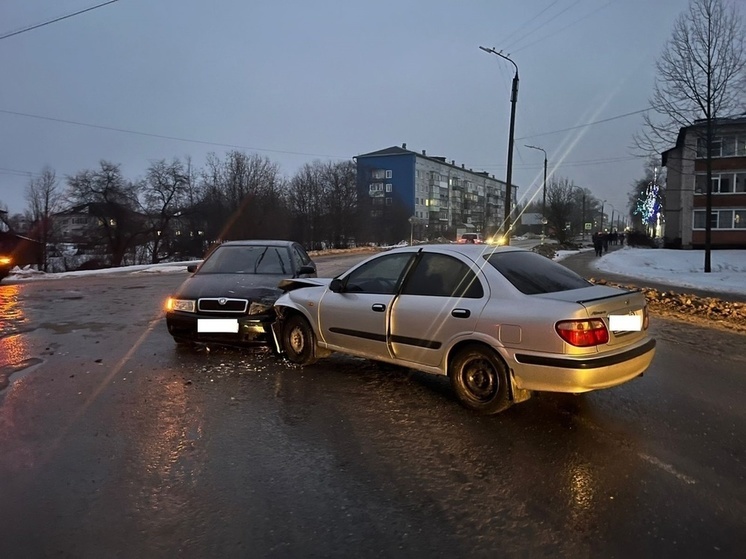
(299, 341)
(480, 380)
(183, 342)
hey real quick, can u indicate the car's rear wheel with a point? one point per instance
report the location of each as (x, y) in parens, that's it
(480, 380)
(298, 341)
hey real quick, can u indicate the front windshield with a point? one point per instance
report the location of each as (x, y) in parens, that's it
(248, 259)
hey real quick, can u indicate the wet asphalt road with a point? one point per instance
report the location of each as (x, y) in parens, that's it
(114, 443)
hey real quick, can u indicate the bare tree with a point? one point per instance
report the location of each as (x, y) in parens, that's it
(700, 78)
(164, 192)
(113, 201)
(340, 192)
(44, 198)
(243, 197)
(306, 199)
(560, 208)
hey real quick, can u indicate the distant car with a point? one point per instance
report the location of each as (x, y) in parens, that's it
(229, 298)
(499, 321)
(6, 265)
(473, 238)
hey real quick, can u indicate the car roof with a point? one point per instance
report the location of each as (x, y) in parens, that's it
(470, 250)
(259, 242)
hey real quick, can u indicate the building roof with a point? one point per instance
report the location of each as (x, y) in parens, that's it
(739, 120)
(396, 150)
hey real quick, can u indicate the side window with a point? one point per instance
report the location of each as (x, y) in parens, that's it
(300, 256)
(439, 275)
(378, 276)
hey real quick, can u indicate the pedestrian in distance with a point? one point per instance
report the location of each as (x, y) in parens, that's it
(597, 243)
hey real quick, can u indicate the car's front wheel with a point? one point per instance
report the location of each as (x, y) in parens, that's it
(298, 341)
(480, 380)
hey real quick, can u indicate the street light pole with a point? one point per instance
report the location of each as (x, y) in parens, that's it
(509, 178)
(582, 214)
(543, 195)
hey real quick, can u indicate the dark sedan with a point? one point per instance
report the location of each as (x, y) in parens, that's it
(229, 298)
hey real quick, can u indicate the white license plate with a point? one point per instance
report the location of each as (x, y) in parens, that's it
(217, 325)
(625, 322)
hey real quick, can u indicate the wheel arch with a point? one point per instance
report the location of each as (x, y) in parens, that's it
(458, 346)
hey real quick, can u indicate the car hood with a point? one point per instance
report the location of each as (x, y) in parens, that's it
(298, 283)
(256, 287)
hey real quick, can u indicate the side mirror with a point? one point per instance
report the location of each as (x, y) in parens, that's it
(336, 285)
(192, 268)
(306, 270)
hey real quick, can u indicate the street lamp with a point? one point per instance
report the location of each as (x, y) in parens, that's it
(611, 220)
(543, 195)
(582, 215)
(509, 178)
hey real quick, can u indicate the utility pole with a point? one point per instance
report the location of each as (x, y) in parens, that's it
(543, 194)
(509, 178)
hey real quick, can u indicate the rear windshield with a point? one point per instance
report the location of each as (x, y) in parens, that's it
(532, 273)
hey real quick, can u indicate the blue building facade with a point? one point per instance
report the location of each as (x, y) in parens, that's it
(404, 194)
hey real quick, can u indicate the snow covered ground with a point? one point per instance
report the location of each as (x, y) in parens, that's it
(679, 268)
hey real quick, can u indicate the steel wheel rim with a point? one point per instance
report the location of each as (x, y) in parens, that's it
(480, 379)
(297, 340)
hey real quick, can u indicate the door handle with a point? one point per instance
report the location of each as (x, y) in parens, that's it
(378, 307)
(460, 313)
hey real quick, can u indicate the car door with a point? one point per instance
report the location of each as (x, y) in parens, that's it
(355, 319)
(441, 299)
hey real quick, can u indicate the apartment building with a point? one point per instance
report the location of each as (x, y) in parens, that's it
(686, 186)
(403, 194)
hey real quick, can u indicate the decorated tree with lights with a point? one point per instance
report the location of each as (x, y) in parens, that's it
(649, 204)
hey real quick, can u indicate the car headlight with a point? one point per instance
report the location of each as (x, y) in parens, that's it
(185, 305)
(5, 260)
(259, 308)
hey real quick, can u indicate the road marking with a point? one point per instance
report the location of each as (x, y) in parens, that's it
(667, 468)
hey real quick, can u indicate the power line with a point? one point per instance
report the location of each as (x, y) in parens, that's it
(236, 146)
(55, 20)
(164, 137)
(586, 124)
(560, 30)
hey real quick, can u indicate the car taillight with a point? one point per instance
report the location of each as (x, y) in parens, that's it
(583, 333)
(645, 318)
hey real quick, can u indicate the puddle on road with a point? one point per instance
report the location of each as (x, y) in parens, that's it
(16, 371)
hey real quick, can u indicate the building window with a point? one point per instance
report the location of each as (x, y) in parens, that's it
(739, 219)
(388, 187)
(378, 174)
(721, 219)
(389, 201)
(723, 146)
(389, 173)
(722, 183)
(740, 182)
(376, 213)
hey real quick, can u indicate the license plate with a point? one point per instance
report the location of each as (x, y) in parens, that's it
(625, 322)
(217, 325)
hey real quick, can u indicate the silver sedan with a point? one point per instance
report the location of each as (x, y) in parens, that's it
(501, 322)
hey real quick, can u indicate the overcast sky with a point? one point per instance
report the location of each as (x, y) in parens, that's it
(296, 80)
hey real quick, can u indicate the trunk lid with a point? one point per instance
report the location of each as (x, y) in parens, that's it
(622, 311)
